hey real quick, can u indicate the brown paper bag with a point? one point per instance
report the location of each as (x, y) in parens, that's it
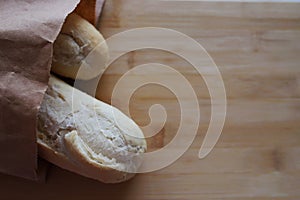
(27, 32)
(90, 10)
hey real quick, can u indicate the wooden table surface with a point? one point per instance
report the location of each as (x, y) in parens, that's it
(257, 49)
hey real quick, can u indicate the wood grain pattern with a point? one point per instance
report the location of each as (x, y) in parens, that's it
(257, 48)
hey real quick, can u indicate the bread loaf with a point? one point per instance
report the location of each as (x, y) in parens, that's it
(77, 39)
(82, 134)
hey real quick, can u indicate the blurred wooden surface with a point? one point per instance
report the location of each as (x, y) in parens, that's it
(257, 49)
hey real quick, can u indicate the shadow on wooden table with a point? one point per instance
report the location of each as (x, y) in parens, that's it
(62, 184)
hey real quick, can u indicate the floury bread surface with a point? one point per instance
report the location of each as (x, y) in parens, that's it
(87, 136)
(81, 48)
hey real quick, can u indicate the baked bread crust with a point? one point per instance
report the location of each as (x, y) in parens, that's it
(76, 40)
(89, 137)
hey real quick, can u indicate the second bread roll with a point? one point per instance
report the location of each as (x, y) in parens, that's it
(77, 39)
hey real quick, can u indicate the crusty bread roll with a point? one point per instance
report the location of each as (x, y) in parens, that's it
(76, 40)
(84, 135)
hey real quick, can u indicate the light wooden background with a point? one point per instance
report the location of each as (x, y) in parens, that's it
(257, 49)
